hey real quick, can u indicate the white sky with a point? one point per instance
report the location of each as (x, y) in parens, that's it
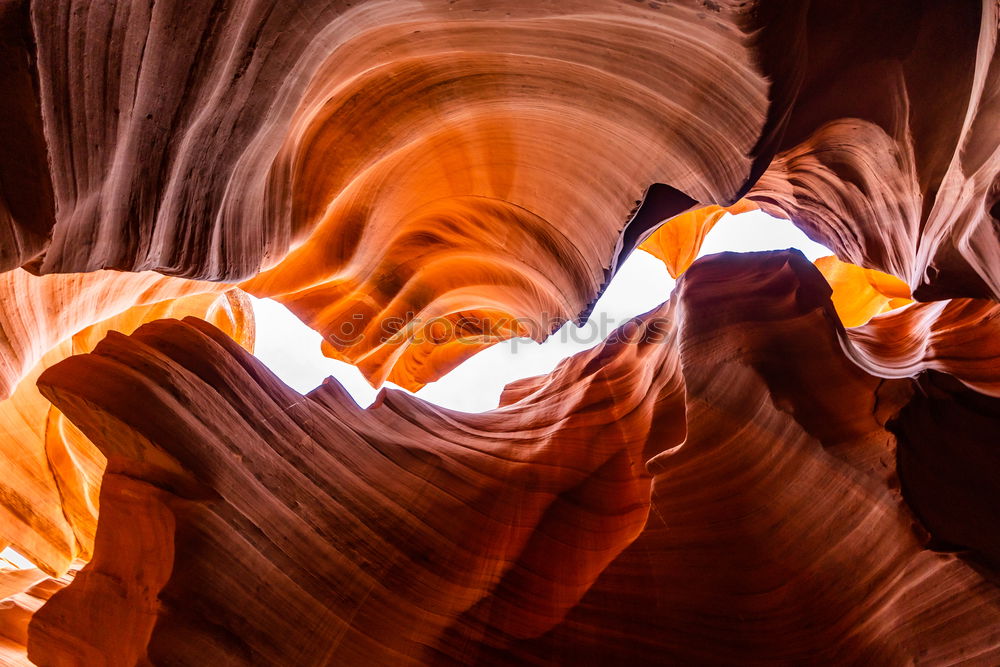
(292, 350)
(14, 560)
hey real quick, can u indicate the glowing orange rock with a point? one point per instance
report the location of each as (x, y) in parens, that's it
(493, 192)
(40, 312)
(860, 294)
(52, 471)
(678, 240)
(22, 593)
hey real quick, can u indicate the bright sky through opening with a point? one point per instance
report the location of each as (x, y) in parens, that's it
(292, 350)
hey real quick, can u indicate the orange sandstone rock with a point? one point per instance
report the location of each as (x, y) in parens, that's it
(678, 240)
(51, 471)
(406, 533)
(389, 161)
(820, 493)
(860, 294)
(22, 593)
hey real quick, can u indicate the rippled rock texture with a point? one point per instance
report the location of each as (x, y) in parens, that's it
(407, 533)
(51, 471)
(784, 463)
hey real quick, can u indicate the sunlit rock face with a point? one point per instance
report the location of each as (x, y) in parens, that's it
(783, 463)
(52, 472)
(23, 592)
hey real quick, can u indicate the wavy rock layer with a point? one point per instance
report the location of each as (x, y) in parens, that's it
(388, 164)
(490, 172)
(408, 533)
(399, 517)
(22, 593)
(890, 154)
(39, 312)
(960, 337)
(398, 171)
(51, 471)
(778, 535)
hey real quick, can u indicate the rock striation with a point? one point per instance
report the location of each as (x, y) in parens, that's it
(22, 593)
(362, 152)
(784, 463)
(52, 472)
(408, 533)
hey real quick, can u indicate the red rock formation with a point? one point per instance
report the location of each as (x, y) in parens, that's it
(392, 168)
(889, 154)
(434, 133)
(386, 144)
(778, 532)
(960, 337)
(52, 472)
(157, 149)
(22, 593)
(778, 535)
(390, 525)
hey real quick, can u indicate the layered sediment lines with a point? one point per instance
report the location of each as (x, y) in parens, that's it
(387, 526)
(51, 471)
(22, 593)
(403, 162)
(778, 535)
(873, 163)
(410, 159)
(408, 533)
(784, 463)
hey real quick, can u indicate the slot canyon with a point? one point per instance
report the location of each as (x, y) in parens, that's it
(786, 462)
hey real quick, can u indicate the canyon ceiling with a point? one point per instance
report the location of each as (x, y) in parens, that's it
(785, 463)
